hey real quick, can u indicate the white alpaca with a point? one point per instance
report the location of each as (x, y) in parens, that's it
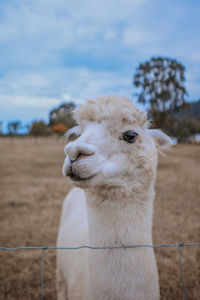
(113, 163)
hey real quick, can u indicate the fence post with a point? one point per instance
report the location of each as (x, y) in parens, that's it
(181, 270)
(42, 269)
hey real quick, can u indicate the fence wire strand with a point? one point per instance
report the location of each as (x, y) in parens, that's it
(43, 248)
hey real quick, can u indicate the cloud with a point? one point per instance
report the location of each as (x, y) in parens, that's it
(32, 95)
(133, 36)
(42, 34)
(29, 102)
(62, 22)
(76, 83)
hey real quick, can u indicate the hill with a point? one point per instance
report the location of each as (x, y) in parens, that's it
(191, 112)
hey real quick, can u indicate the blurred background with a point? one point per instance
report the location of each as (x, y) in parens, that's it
(56, 55)
(55, 52)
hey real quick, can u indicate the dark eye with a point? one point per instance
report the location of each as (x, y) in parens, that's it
(130, 136)
(72, 137)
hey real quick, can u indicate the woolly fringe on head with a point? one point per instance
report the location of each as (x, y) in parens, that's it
(111, 108)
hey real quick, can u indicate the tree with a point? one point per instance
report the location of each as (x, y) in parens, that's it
(183, 128)
(28, 127)
(1, 126)
(60, 128)
(62, 115)
(161, 80)
(13, 127)
(39, 128)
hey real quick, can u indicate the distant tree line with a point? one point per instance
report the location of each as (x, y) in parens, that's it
(60, 120)
(1, 128)
(181, 128)
(13, 127)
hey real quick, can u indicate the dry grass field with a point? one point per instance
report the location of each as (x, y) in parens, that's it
(32, 189)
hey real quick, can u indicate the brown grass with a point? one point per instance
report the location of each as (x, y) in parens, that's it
(31, 193)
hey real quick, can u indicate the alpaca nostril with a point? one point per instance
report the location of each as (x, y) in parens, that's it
(75, 151)
(80, 155)
(74, 158)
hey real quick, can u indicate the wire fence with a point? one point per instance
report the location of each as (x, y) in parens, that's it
(44, 248)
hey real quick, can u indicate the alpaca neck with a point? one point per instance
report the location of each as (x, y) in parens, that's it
(116, 218)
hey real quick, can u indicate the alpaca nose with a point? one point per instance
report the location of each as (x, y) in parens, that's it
(75, 151)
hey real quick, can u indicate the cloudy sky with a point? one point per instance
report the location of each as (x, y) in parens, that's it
(60, 50)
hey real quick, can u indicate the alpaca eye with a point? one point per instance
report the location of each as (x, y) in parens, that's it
(130, 136)
(73, 136)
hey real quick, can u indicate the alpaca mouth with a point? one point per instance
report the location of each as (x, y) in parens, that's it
(74, 177)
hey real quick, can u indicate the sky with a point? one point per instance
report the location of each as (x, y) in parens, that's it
(55, 51)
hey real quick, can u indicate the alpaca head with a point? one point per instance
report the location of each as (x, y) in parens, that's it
(113, 145)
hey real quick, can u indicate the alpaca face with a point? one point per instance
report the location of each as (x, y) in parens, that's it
(112, 151)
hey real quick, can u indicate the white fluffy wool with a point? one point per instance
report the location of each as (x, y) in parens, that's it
(112, 205)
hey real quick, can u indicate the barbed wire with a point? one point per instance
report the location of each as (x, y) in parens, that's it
(44, 248)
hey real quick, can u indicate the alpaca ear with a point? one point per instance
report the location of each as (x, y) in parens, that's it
(162, 140)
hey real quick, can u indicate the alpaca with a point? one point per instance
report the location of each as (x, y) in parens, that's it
(112, 164)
